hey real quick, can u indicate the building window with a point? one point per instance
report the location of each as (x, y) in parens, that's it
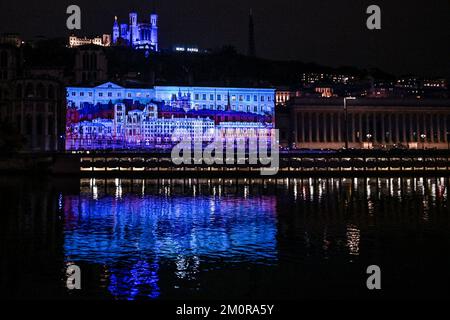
(204, 96)
(219, 97)
(211, 97)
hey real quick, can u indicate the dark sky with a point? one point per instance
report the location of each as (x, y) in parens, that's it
(415, 35)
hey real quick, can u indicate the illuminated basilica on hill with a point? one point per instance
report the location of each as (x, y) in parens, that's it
(142, 35)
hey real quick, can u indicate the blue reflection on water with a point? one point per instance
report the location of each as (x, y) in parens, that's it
(131, 235)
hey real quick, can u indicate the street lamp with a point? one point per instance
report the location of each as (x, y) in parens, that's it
(369, 137)
(423, 136)
(346, 119)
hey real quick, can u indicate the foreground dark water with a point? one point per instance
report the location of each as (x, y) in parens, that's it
(212, 239)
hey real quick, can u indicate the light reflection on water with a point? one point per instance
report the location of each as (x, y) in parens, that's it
(132, 233)
(275, 238)
(136, 227)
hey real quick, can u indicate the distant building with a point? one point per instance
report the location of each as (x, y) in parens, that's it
(32, 100)
(316, 77)
(138, 35)
(284, 94)
(91, 66)
(325, 92)
(104, 41)
(434, 83)
(188, 49)
(11, 39)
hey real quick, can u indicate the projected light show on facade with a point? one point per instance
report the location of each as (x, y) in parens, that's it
(111, 117)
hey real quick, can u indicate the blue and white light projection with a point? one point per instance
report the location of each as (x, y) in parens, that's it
(139, 237)
(111, 117)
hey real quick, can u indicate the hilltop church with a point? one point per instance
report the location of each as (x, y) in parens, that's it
(138, 35)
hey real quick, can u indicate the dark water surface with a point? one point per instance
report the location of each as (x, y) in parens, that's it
(213, 239)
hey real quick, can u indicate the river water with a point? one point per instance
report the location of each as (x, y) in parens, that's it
(225, 239)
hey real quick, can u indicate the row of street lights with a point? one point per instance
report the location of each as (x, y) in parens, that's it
(369, 136)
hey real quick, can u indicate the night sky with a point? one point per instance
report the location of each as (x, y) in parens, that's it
(415, 35)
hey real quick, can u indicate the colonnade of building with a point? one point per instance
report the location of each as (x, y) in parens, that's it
(369, 127)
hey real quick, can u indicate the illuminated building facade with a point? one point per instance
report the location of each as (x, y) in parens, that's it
(284, 94)
(104, 41)
(113, 117)
(314, 77)
(368, 123)
(139, 35)
(12, 39)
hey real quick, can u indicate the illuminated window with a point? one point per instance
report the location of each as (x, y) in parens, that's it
(233, 98)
